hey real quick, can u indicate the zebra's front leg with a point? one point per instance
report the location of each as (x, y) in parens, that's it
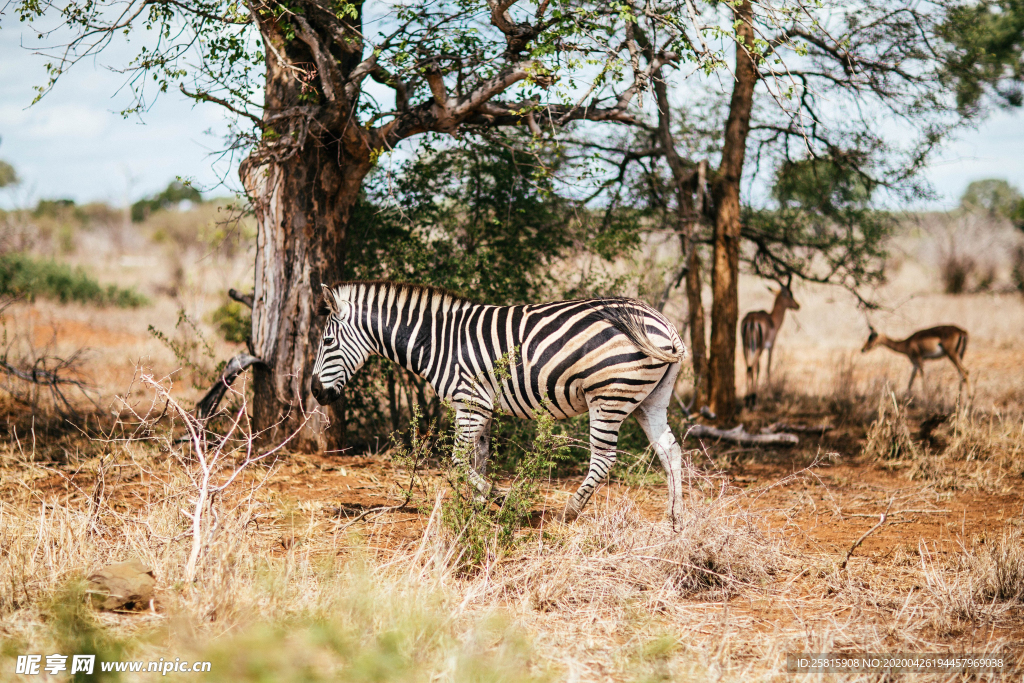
(604, 438)
(472, 445)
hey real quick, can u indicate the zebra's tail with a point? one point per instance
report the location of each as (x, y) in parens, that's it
(630, 319)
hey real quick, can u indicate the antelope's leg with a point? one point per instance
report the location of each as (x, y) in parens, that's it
(757, 378)
(913, 376)
(965, 377)
(750, 385)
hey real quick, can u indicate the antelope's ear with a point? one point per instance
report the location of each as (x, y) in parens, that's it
(773, 291)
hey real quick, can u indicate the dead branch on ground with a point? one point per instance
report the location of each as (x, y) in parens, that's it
(740, 435)
(856, 544)
(51, 372)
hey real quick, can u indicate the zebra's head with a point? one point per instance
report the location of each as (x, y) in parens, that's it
(340, 354)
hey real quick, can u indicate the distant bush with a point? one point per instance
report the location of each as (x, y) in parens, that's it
(22, 275)
(955, 270)
(55, 208)
(175, 193)
(7, 175)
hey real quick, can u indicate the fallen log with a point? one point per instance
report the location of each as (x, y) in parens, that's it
(688, 410)
(207, 405)
(740, 435)
(776, 427)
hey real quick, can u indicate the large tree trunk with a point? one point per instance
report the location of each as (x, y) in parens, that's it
(302, 208)
(303, 183)
(725, 274)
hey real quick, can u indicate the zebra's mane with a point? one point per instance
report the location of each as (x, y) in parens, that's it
(384, 285)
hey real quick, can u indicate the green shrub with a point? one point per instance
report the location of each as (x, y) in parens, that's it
(22, 275)
(234, 322)
(487, 529)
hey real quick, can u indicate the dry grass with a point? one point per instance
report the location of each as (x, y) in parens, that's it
(280, 594)
(889, 436)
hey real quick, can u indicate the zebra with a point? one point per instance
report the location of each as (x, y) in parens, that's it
(607, 357)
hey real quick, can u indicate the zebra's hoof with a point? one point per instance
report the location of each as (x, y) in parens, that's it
(569, 515)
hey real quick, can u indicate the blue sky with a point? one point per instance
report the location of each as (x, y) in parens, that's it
(75, 144)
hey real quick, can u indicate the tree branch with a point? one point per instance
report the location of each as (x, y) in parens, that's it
(201, 96)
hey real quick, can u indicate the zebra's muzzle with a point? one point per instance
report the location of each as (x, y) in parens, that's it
(324, 396)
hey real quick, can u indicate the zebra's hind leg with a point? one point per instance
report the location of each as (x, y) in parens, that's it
(653, 418)
(605, 419)
(472, 439)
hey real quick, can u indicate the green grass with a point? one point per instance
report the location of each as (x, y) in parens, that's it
(23, 275)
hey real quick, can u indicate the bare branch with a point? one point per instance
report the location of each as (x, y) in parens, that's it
(236, 366)
(201, 96)
(245, 299)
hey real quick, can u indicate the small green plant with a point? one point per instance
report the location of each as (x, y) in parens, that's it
(234, 322)
(486, 532)
(411, 456)
(22, 275)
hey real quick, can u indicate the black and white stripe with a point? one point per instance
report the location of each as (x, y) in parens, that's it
(606, 357)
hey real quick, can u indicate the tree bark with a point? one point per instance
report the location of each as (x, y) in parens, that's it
(302, 209)
(726, 193)
(698, 344)
(303, 185)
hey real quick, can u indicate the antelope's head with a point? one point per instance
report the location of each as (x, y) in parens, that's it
(787, 298)
(784, 297)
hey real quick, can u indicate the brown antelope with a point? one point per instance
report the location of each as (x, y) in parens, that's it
(758, 331)
(935, 342)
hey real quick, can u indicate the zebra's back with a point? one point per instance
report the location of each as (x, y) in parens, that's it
(552, 356)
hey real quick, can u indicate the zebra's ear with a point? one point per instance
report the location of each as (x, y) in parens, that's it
(328, 305)
(323, 309)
